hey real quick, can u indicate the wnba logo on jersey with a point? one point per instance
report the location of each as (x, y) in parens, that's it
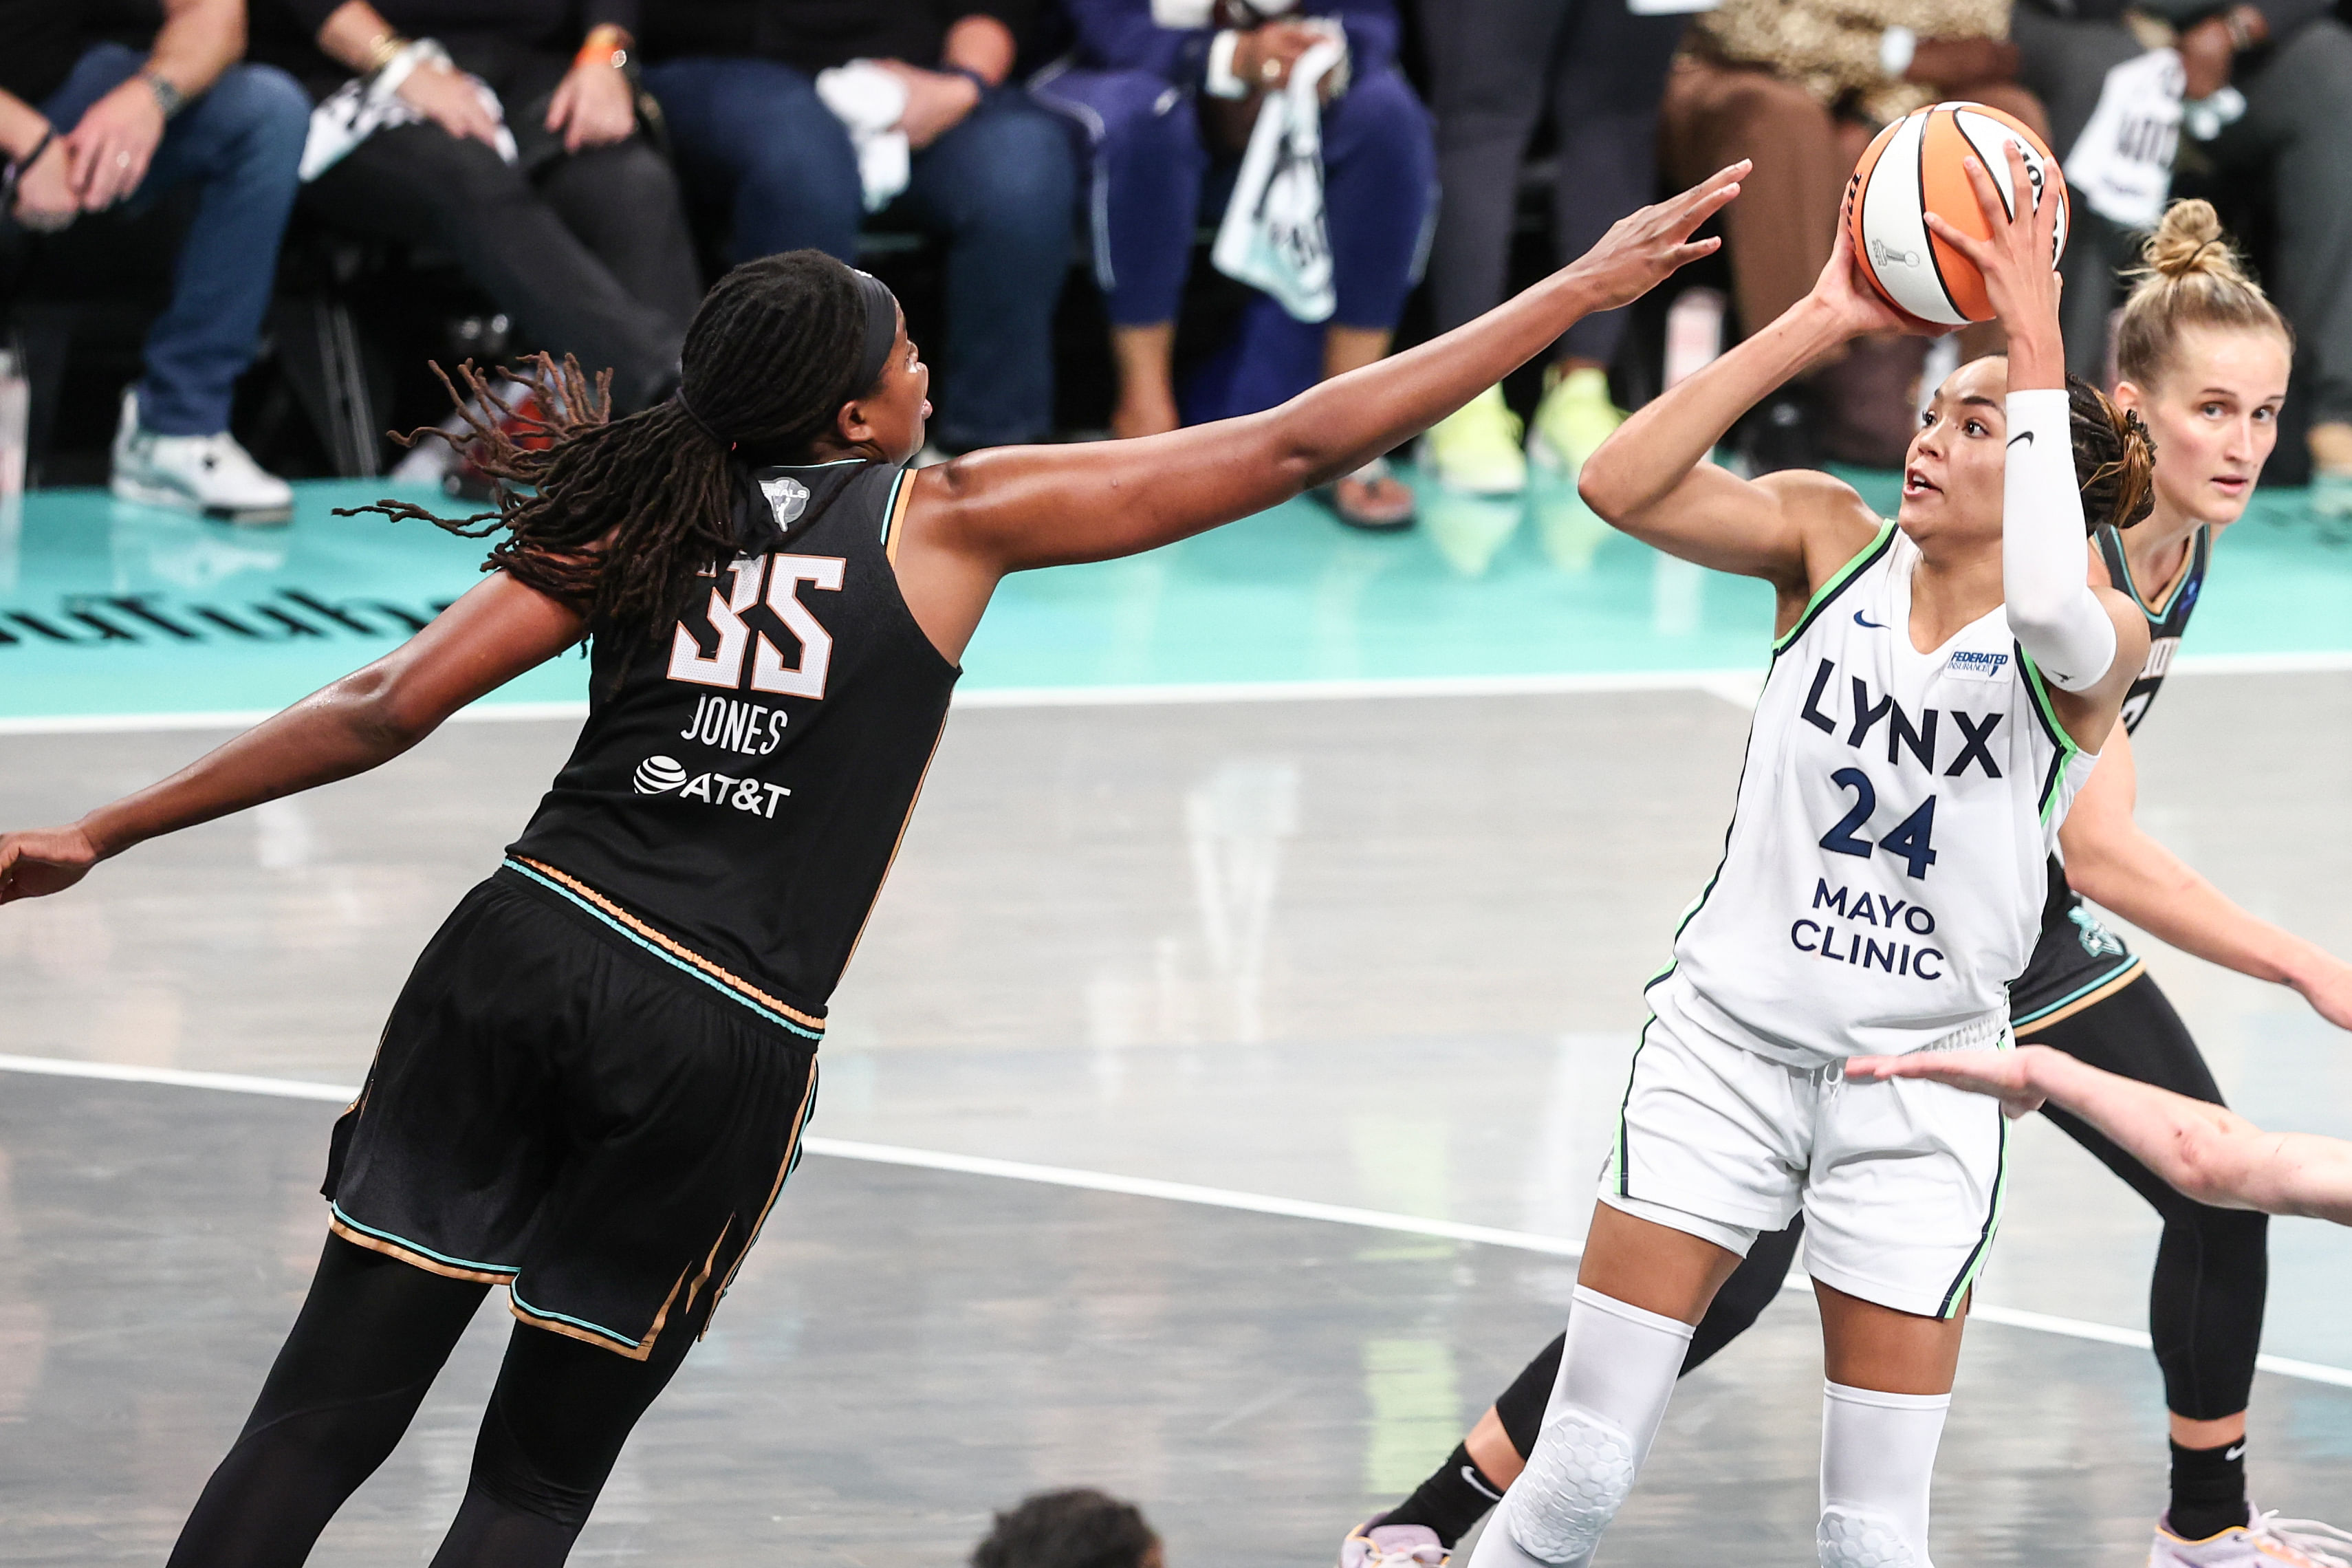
(769, 585)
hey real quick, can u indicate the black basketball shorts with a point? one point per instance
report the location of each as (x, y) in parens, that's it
(561, 1110)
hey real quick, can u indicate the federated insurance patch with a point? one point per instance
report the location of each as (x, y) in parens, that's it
(1969, 664)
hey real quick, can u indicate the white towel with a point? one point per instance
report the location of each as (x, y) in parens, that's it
(870, 101)
(360, 108)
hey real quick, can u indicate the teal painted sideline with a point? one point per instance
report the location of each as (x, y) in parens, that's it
(111, 608)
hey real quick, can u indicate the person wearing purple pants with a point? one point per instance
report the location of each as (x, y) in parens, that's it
(1163, 111)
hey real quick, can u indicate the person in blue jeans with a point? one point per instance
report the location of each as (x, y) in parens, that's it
(990, 172)
(1165, 111)
(90, 126)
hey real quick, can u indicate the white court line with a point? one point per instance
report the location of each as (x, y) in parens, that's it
(1739, 686)
(1145, 1187)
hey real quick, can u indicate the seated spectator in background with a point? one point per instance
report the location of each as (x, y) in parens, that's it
(1080, 1528)
(90, 126)
(1495, 67)
(952, 147)
(2293, 62)
(1800, 86)
(503, 132)
(1167, 110)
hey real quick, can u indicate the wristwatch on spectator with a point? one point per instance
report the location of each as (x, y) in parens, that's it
(605, 45)
(168, 98)
(971, 76)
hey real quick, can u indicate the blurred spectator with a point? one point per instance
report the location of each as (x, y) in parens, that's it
(505, 131)
(1166, 92)
(983, 167)
(2292, 63)
(89, 126)
(1495, 67)
(1800, 86)
(1080, 1528)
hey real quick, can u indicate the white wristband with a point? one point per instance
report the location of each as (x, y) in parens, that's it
(1221, 81)
(1896, 46)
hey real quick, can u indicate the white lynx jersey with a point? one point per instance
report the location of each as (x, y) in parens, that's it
(1888, 858)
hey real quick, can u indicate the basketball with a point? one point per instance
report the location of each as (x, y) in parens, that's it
(1913, 168)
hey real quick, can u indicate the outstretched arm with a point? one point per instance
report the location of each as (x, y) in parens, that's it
(2207, 1152)
(497, 630)
(971, 520)
(2110, 859)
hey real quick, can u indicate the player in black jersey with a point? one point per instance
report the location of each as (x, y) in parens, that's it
(2204, 358)
(593, 1084)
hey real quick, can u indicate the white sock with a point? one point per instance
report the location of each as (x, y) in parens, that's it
(1615, 1377)
(1878, 1455)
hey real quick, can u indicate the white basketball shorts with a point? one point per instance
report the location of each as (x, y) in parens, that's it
(1900, 1183)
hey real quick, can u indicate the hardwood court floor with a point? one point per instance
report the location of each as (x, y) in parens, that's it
(1375, 953)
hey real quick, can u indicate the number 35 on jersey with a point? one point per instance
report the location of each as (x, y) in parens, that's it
(773, 584)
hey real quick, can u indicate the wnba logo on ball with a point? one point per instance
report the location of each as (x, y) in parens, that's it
(1917, 165)
(1885, 254)
(660, 775)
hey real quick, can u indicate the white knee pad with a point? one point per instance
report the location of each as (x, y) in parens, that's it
(1578, 1477)
(1855, 1538)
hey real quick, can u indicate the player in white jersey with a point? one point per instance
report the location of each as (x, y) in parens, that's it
(1940, 688)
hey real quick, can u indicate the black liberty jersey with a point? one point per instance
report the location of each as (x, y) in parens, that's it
(738, 793)
(2078, 960)
(2166, 621)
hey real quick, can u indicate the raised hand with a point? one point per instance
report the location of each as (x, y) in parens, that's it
(2019, 261)
(1644, 247)
(1852, 302)
(46, 860)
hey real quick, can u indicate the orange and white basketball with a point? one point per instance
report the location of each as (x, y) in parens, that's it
(1913, 168)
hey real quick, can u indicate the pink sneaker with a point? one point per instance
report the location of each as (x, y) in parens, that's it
(2268, 1541)
(1372, 1544)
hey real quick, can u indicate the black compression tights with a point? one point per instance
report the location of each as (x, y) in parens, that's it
(2212, 1268)
(371, 1337)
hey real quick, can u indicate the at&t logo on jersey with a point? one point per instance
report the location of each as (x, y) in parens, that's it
(662, 776)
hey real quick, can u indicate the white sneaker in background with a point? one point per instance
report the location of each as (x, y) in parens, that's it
(2268, 1541)
(209, 475)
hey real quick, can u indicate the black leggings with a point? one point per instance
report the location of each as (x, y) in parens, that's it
(2212, 1268)
(371, 1337)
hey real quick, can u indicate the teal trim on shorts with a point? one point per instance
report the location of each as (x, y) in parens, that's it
(2130, 963)
(671, 959)
(420, 1248)
(527, 1310)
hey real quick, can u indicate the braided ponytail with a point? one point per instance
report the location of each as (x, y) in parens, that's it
(617, 517)
(2115, 458)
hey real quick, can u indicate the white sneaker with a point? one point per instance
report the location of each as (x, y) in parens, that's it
(209, 475)
(2269, 1541)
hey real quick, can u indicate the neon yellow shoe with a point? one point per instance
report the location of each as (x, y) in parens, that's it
(1475, 450)
(1574, 417)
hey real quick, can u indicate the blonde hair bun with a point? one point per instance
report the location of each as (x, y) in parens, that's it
(2188, 240)
(2190, 276)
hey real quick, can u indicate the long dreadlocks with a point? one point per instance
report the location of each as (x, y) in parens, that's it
(617, 517)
